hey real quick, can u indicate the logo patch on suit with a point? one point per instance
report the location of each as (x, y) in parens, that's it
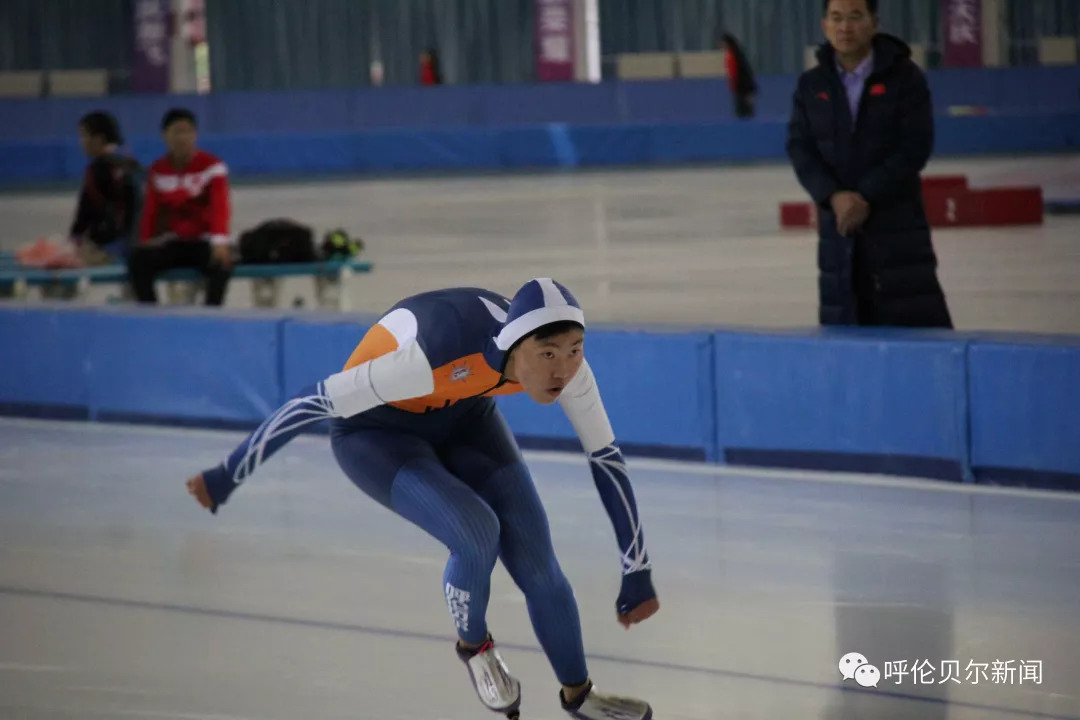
(877, 89)
(459, 372)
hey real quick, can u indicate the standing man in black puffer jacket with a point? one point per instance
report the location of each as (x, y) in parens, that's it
(861, 131)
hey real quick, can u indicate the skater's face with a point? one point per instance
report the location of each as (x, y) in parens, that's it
(545, 367)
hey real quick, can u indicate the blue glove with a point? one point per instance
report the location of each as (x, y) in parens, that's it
(219, 485)
(636, 588)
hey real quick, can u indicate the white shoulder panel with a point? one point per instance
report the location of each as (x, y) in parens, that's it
(583, 406)
(399, 375)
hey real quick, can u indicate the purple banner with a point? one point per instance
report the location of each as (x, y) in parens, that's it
(963, 32)
(151, 57)
(554, 40)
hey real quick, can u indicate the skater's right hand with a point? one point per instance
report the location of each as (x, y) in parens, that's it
(644, 611)
(197, 488)
(637, 599)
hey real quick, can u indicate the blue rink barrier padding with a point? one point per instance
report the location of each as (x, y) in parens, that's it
(872, 401)
(45, 361)
(524, 147)
(200, 368)
(1025, 411)
(952, 406)
(220, 367)
(1042, 90)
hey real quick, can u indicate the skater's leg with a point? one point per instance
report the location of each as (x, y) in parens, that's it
(403, 473)
(427, 494)
(488, 459)
(529, 556)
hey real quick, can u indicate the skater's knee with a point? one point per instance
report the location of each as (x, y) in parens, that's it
(538, 576)
(476, 536)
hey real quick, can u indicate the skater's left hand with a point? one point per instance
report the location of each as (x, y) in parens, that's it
(197, 488)
(637, 599)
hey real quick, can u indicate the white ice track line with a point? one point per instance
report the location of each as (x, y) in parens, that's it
(683, 467)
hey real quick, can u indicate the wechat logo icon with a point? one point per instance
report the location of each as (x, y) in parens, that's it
(855, 666)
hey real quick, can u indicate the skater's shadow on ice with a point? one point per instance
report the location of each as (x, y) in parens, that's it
(892, 610)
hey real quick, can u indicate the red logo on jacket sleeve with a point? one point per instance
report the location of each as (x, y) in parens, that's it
(878, 89)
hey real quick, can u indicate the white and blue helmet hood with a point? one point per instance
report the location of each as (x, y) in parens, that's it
(539, 302)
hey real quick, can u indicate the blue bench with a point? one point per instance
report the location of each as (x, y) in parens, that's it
(329, 276)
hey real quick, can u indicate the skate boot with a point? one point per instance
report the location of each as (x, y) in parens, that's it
(592, 705)
(496, 688)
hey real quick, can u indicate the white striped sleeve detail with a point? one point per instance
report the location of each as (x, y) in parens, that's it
(289, 418)
(612, 466)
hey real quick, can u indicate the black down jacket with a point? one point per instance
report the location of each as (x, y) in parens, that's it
(886, 274)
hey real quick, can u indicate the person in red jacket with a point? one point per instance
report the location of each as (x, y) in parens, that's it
(185, 221)
(430, 68)
(740, 76)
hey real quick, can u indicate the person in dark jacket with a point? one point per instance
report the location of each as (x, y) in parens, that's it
(106, 216)
(740, 76)
(860, 133)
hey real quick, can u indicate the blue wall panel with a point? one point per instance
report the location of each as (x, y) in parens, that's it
(35, 161)
(832, 396)
(1007, 90)
(931, 404)
(185, 366)
(269, 112)
(536, 147)
(1018, 133)
(555, 103)
(474, 149)
(710, 143)
(484, 128)
(287, 153)
(417, 107)
(45, 359)
(431, 150)
(1025, 406)
(677, 101)
(611, 144)
(1027, 89)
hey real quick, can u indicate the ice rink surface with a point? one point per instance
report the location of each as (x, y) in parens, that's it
(120, 598)
(698, 245)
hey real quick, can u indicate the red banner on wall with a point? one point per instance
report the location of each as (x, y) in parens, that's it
(963, 32)
(555, 40)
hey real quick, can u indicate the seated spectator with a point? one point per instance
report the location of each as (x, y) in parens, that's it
(186, 219)
(105, 220)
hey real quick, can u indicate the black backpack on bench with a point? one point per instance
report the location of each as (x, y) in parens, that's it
(278, 241)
